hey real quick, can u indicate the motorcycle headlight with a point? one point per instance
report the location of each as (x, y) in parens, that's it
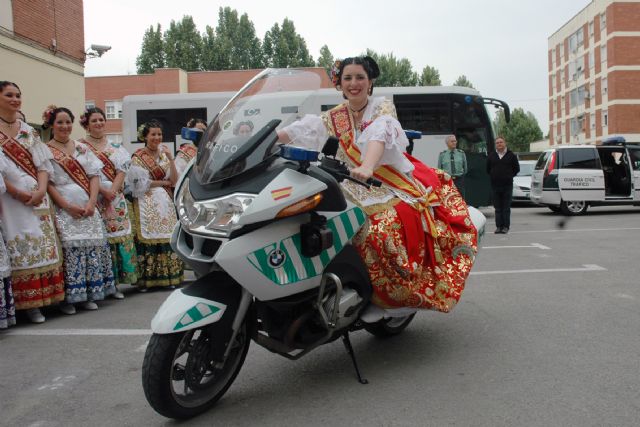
(216, 217)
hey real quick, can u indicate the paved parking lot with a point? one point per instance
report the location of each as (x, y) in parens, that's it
(546, 334)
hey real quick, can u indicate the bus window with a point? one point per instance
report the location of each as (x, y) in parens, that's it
(429, 114)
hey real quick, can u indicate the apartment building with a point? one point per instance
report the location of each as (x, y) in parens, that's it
(594, 74)
(42, 50)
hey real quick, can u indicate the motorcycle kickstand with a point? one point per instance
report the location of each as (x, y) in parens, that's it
(347, 344)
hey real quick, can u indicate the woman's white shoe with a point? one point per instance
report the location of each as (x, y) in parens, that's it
(35, 316)
(67, 308)
(89, 305)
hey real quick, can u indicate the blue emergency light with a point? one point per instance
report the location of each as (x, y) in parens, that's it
(298, 154)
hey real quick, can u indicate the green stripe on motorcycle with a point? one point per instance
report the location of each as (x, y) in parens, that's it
(297, 267)
(195, 314)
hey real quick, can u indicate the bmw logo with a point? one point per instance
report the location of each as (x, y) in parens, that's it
(276, 258)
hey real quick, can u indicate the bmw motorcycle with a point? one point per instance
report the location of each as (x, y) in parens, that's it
(267, 231)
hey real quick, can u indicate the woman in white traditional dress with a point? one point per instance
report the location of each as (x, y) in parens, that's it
(7, 306)
(27, 217)
(112, 203)
(74, 187)
(151, 179)
(188, 150)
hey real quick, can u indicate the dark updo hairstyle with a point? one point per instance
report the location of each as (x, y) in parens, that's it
(5, 83)
(50, 114)
(144, 129)
(368, 63)
(84, 118)
(193, 122)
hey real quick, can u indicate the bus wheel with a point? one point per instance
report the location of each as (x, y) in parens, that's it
(574, 208)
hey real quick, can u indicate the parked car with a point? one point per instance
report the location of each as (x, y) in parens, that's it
(569, 179)
(522, 181)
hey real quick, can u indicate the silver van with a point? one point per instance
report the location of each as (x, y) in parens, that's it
(569, 179)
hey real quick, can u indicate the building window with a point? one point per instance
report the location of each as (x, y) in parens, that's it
(603, 21)
(553, 58)
(561, 48)
(603, 52)
(591, 59)
(114, 138)
(572, 70)
(605, 86)
(113, 109)
(592, 90)
(592, 120)
(573, 98)
(590, 28)
(605, 118)
(573, 43)
(580, 37)
(89, 104)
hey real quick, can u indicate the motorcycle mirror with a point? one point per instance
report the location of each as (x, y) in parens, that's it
(191, 134)
(331, 146)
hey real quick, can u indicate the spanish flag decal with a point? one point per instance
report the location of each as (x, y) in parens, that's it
(281, 193)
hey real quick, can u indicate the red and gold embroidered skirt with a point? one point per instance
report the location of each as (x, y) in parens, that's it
(408, 267)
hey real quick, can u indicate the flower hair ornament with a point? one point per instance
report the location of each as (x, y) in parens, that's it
(334, 74)
(47, 115)
(84, 119)
(141, 129)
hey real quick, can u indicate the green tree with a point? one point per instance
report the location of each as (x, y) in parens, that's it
(283, 47)
(208, 59)
(522, 129)
(430, 77)
(393, 71)
(152, 54)
(325, 60)
(235, 45)
(183, 45)
(463, 81)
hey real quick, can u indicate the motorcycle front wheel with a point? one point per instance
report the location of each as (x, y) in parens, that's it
(180, 377)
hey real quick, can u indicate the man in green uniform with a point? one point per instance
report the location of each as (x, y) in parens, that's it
(454, 162)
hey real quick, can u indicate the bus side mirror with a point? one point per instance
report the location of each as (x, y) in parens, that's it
(191, 134)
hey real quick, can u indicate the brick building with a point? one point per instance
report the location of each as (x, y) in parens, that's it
(42, 50)
(108, 92)
(594, 74)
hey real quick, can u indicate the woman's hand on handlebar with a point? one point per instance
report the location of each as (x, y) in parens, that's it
(362, 173)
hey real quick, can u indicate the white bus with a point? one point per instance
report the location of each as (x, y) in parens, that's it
(435, 111)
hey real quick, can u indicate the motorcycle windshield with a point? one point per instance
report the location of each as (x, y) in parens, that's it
(242, 135)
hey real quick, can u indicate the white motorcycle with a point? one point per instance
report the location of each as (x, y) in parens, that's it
(267, 230)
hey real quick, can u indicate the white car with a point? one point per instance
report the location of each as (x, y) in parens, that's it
(522, 181)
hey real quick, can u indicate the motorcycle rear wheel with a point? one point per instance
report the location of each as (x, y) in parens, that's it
(179, 376)
(389, 327)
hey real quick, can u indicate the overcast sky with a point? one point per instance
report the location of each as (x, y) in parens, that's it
(500, 45)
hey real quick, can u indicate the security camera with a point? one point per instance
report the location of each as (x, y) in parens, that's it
(100, 49)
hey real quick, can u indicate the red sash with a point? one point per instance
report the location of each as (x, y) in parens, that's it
(157, 173)
(72, 167)
(188, 151)
(109, 168)
(19, 154)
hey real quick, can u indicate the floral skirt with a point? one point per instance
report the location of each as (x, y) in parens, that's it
(125, 260)
(7, 307)
(158, 265)
(407, 266)
(88, 273)
(38, 287)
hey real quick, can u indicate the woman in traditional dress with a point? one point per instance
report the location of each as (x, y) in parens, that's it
(188, 150)
(112, 203)
(27, 218)
(419, 241)
(151, 178)
(7, 307)
(74, 187)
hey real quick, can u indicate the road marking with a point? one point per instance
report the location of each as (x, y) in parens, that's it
(57, 382)
(78, 332)
(556, 230)
(585, 267)
(532, 245)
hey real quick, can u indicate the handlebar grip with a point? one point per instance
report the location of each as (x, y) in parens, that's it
(374, 182)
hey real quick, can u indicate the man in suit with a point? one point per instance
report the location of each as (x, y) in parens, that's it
(502, 166)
